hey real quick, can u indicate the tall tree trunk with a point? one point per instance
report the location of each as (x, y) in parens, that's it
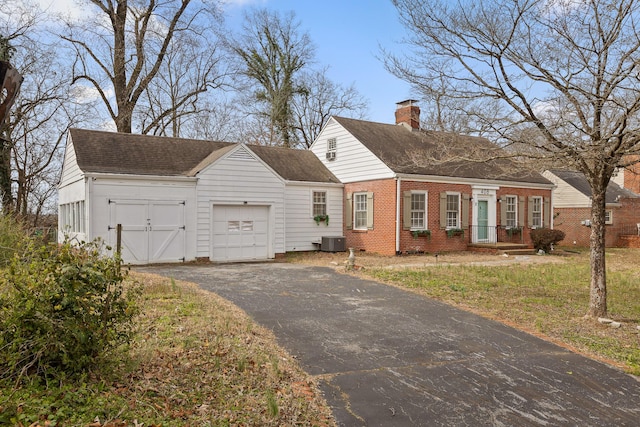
(5, 171)
(598, 289)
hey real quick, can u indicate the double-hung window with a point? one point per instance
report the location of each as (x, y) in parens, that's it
(536, 212)
(332, 148)
(453, 211)
(319, 203)
(418, 211)
(511, 219)
(360, 211)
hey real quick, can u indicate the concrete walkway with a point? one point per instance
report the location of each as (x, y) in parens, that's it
(387, 357)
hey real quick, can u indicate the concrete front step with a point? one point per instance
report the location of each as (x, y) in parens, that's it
(524, 251)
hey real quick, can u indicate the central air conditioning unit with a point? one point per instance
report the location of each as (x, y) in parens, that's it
(331, 155)
(332, 244)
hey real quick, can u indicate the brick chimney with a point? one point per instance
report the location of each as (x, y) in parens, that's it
(408, 114)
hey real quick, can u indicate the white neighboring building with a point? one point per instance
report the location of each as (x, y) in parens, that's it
(181, 200)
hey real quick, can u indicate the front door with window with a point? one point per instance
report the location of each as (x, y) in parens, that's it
(484, 214)
(483, 220)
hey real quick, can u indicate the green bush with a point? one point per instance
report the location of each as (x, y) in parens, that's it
(62, 310)
(13, 237)
(543, 238)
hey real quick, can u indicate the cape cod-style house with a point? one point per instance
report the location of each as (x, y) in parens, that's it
(414, 190)
(384, 188)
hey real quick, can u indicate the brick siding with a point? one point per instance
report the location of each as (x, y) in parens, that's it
(625, 218)
(381, 239)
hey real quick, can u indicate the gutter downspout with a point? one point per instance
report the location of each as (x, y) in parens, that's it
(398, 179)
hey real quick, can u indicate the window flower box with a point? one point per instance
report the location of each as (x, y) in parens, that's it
(321, 218)
(512, 231)
(452, 232)
(421, 233)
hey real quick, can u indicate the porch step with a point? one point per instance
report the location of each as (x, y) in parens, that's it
(524, 251)
(502, 248)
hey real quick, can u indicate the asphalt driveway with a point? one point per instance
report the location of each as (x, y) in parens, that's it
(388, 357)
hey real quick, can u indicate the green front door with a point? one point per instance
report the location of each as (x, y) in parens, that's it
(483, 219)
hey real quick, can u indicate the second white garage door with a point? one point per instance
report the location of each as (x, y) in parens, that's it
(240, 233)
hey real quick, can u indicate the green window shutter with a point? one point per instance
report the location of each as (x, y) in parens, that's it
(370, 211)
(520, 211)
(546, 213)
(406, 210)
(464, 211)
(530, 211)
(443, 210)
(503, 211)
(348, 215)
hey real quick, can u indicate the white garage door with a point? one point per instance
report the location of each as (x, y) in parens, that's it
(240, 233)
(152, 231)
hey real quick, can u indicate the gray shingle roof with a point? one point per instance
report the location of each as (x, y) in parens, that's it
(294, 165)
(435, 153)
(121, 153)
(578, 181)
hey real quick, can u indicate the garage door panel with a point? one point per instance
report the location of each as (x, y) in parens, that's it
(240, 233)
(152, 231)
(167, 245)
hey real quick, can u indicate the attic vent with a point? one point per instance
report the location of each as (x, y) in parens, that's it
(241, 155)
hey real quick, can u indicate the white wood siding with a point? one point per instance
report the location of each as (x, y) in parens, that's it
(71, 189)
(70, 170)
(302, 230)
(353, 162)
(103, 189)
(239, 178)
(618, 177)
(565, 196)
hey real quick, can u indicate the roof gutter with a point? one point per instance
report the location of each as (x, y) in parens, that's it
(102, 175)
(475, 181)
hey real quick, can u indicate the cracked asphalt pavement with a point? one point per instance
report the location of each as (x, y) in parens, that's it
(388, 357)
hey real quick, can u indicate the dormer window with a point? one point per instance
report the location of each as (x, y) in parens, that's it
(332, 146)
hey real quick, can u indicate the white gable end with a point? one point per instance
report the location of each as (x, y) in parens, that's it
(565, 195)
(239, 178)
(70, 170)
(352, 161)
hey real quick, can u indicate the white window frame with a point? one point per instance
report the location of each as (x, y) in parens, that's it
(359, 214)
(418, 223)
(508, 221)
(317, 203)
(608, 216)
(453, 221)
(537, 222)
(332, 148)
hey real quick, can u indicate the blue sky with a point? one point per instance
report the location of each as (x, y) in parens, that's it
(347, 35)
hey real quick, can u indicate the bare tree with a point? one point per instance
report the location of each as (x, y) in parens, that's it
(312, 109)
(177, 93)
(124, 45)
(565, 70)
(41, 115)
(272, 52)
